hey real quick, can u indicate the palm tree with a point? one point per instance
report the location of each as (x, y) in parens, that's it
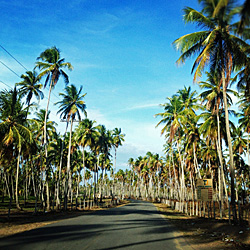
(245, 16)
(171, 116)
(70, 108)
(175, 117)
(131, 163)
(118, 138)
(41, 136)
(51, 66)
(244, 120)
(30, 86)
(218, 47)
(103, 143)
(189, 101)
(212, 96)
(85, 136)
(13, 129)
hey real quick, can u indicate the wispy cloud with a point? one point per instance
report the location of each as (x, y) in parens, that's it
(142, 106)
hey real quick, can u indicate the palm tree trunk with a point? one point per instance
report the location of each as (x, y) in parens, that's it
(17, 176)
(7, 185)
(77, 189)
(47, 193)
(58, 202)
(196, 162)
(232, 174)
(114, 176)
(248, 155)
(221, 172)
(46, 114)
(46, 144)
(68, 167)
(182, 180)
(83, 164)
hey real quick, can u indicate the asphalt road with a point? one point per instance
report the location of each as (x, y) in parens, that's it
(137, 225)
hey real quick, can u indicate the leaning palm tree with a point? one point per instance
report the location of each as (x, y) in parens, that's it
(219, 48)
(71, 107)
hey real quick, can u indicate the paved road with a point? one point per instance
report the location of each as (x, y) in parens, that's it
(137, 225)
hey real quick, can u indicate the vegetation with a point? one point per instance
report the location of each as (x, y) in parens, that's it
(205, 138)
(206, 142)
(35, 157)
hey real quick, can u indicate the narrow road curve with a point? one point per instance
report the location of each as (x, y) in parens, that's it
(138, 225)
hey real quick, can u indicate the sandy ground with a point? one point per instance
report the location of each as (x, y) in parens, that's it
(204, 233)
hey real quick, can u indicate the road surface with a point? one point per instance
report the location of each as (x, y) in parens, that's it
(138, 225)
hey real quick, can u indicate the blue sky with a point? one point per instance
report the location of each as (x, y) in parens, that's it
(121, 52)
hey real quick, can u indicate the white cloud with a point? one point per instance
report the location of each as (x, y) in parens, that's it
(142, 106)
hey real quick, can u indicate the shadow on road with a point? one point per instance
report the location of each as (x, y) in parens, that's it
(136, 215)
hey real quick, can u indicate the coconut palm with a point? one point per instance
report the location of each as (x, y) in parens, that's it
(40, 136)
(30, 86)
(239, 140)
(118, 138)
(51, 65)
(85, 135)
(171, 116)
(71, 107)
(212, 96)
(219, 48)
(189, 101)
(245, 16)
(103, 144)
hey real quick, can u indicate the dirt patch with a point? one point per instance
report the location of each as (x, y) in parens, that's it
(204, 233)
(21, 221)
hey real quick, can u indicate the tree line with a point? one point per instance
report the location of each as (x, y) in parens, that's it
(204, 137)
(38, 161)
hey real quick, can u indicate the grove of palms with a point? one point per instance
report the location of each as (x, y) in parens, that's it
(204, 137)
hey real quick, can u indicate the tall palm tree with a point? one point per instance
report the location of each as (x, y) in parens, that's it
(212, 96)
(41, 136)
(103, 144)
(71, 107)
(85, 135)
(118, 138)
(51, 65)
(131, 163)
(217, 47)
